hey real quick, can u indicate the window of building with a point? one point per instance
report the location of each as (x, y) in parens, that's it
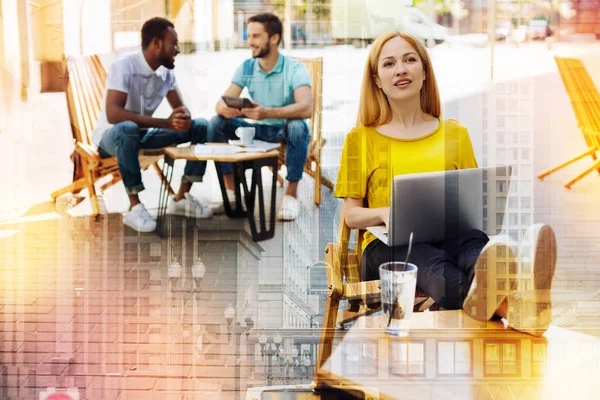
(500, 104)
(408, 358)
(525, 137)
(500, 122)
(526, 106)
(501, 252)
(501, 284)
(525, 154)
(501, 267)
(513, 154)
(499, 218)
(501, 186)
(501, 358)
(454, 358)
(500, 138)
(526, 123)
(526, 202)
(502, 172)
(513, 202)
(513, 137)
(501, 154)
(500, 202)
(526, 219)
(513, 218)
(526, 89)
(512, 267)
(539, 356)
(513, 122)
(360, 358)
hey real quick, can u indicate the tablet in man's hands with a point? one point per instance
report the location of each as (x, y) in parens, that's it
(237, 102)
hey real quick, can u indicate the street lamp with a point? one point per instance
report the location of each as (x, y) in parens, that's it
(269, 348)
(237, 329)
(198, 271)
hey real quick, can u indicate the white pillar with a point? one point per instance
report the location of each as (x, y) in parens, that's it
(225, 18)
(287, 25)
(203, 26)
(96, 32)
(491, 25)
(12, 51)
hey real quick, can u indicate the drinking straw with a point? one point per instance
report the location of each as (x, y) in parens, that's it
(395, 299)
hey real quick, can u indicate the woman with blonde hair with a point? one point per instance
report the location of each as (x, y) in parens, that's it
(400, 130)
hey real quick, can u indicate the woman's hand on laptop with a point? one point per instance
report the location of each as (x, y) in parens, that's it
(385, 215)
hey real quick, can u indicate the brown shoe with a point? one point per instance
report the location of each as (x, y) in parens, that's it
(484, 296)
(530, 309)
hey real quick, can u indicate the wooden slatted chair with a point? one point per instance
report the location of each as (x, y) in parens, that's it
(585, 101)
(343, 280)
(85, 90)
(313, 161)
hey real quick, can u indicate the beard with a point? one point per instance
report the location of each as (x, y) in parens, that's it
(263, 52)
(166, 61)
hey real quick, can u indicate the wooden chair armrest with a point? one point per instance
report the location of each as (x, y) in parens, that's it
(368, 292)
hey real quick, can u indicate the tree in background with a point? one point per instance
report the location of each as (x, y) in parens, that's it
(446, 11)
(308, 16)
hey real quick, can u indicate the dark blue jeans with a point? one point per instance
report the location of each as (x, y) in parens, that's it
(125, 139)
(445, 270)
(294, 133)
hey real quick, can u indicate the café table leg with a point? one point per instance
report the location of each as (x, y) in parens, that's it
(163, 197)
(250, 192)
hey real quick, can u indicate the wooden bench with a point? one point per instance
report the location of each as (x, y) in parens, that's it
(85, 90)
(313, 161)
(585, 101)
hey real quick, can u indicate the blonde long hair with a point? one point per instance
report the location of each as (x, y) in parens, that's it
(374, 107)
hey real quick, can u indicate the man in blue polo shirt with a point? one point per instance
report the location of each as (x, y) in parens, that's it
(282, 99)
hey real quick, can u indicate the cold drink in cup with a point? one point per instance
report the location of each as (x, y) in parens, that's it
(398, 284)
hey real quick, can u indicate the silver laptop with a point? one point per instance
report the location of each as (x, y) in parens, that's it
(437, 205)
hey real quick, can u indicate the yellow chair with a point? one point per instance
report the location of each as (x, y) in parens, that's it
(585, 101)
(343, 280)
(85, 91)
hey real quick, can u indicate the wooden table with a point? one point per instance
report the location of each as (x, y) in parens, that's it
(448, 355)
(252, 189)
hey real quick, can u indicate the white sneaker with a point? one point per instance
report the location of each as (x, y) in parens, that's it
(188, 207)
(289, 209)
(139, 219)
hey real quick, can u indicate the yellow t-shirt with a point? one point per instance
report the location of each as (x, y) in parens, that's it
(371, 159)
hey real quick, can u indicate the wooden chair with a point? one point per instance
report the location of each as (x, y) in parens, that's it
(313, 161)
(585, 101)
(343, 280)
(85, 90)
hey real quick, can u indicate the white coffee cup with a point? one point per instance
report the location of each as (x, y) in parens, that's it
(246, 135)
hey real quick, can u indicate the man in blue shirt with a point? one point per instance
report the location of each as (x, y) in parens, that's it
(282, 99)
